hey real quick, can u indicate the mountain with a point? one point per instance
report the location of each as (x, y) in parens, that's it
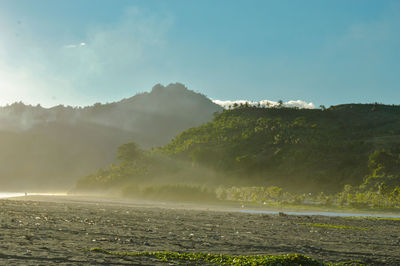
(50, 148)
(314, 149)
(303, 150)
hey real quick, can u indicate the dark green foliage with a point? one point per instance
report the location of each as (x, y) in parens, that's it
(385, 171)
(129, 152)
(296, 149)
(384, 161)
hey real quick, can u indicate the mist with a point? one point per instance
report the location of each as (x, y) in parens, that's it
(53, 147)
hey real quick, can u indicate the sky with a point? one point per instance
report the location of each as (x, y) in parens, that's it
(78, 52)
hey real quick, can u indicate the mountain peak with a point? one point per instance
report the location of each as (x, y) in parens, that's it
(172, 87)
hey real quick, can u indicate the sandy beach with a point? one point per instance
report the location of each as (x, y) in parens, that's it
(42, 230)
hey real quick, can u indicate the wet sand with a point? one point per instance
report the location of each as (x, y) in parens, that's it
(42, 230)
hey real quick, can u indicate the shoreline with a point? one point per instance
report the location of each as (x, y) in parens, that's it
(48, 229)
(223, 206)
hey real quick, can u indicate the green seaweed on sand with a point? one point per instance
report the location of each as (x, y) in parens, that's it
(219, 259)
(373, 218)
(335, 226)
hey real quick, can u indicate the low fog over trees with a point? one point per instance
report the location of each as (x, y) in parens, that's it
(51, 148)
(299, 150)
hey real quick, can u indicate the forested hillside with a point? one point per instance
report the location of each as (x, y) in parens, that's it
(296, 149)
(290, 147)
(50, 148)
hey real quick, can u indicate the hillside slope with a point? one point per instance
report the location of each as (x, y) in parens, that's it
(292, 148)
(297, 149)
(50, 148)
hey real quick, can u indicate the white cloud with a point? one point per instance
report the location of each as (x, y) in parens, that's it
(266, 103)
(300, 104)
(68, 46)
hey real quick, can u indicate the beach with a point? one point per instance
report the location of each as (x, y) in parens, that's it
(40, 230)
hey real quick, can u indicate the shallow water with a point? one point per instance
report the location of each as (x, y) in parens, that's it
(341, 214)
(21, 194)
(323, 213)
(10, 194)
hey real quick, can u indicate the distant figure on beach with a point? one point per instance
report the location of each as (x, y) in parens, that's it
(26, 193)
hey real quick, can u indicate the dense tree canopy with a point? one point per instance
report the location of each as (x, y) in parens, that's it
(296, 149)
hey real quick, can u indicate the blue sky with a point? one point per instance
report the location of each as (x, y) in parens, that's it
(80, 52)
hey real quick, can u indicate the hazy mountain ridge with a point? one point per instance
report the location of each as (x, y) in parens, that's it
(174, 102)
(52, 147)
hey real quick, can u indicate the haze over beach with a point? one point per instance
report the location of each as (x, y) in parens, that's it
(152, 132)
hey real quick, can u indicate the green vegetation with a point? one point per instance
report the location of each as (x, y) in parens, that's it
(277, 197)
(335, 226)
(373, 218)
(348, 198)
(172, 192)
(345, 156)
(219, 259)
(313, 150)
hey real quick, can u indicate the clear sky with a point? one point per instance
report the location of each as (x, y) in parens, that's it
(78, 52)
